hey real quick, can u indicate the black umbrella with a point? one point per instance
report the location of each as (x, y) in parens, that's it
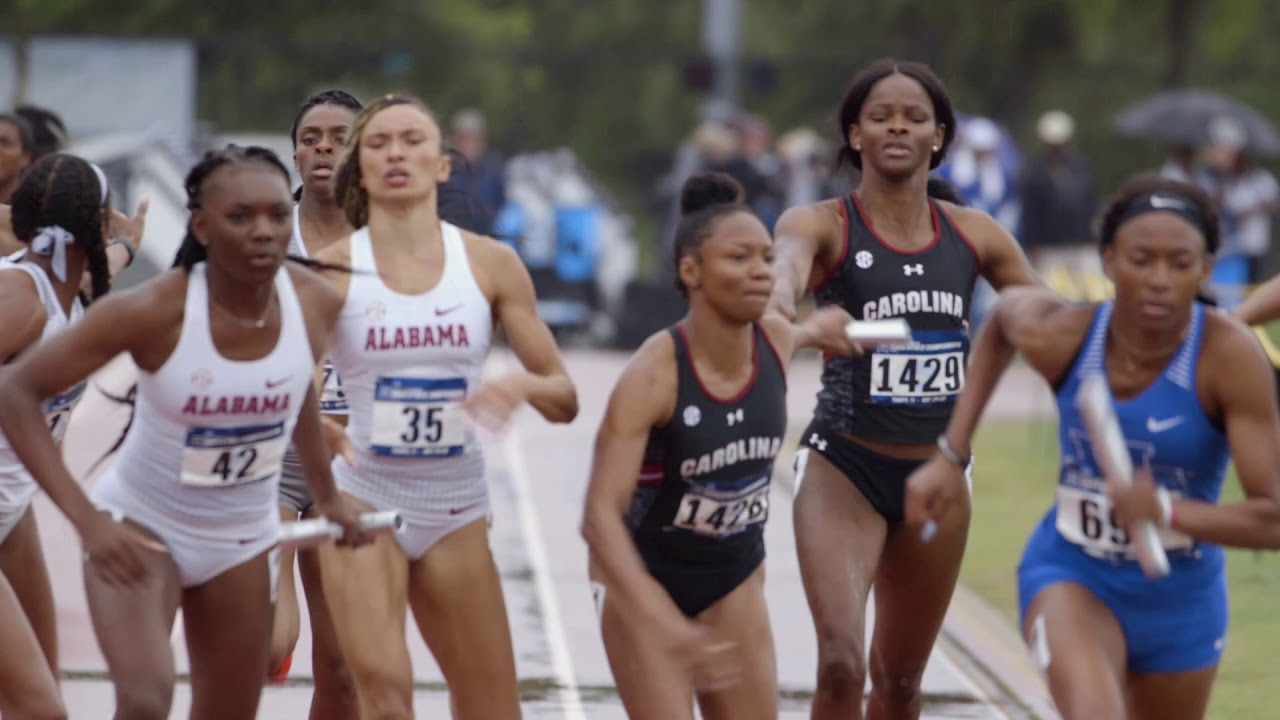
(1184, 117)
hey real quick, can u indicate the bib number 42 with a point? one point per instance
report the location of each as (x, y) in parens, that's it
(235, 465)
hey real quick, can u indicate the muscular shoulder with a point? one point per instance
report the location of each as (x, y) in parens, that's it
(979, 227)
(821, 221)
(159, 300)
(495, 265)
(1230, 346)
(149, 311)
(649, 378)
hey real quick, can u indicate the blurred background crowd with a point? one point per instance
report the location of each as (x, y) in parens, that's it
(577, 122)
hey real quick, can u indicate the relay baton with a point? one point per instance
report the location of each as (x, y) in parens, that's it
(309, 533)
(1110, 451)
(894, 331)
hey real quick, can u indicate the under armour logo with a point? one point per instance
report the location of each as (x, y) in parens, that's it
(817, 441)
(916, 269)
(734, 416)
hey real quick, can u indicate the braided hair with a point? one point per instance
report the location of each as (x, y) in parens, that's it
(64, 190)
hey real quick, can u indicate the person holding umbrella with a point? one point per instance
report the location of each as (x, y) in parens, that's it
(1245, 194)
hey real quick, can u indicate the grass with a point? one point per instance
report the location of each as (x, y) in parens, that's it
(1014, 475)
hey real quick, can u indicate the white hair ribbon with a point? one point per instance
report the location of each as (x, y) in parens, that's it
(102, 182)
(53, 240)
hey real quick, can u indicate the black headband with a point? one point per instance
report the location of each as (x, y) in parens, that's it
(1165, 201)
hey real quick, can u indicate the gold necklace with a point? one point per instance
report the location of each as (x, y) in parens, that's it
(1133, 361)
(258, 324)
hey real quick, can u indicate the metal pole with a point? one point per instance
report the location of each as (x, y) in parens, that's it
(721, 39)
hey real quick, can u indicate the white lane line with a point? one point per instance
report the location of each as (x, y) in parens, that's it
(941, 653)
(557, 642)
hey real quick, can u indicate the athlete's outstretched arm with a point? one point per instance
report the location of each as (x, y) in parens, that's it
(824, 330)
(543, 383)
(313, 453)
(1262, 305)
(115, 324)
(1246, 393)
(797, 243)
(1024, 318)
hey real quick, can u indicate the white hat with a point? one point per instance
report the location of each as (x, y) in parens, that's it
(980, 134)
(1225, 132)
(1055, 127)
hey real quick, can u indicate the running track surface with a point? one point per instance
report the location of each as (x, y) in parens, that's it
(537, 475)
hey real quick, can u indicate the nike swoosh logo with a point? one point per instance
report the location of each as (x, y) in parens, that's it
(1159, 426)
(278, 383)
(459, 511)
(1164, 203)
(446, 311)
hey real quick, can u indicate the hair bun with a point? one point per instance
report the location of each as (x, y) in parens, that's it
(707, 189)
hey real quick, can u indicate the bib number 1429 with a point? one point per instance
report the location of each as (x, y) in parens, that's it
(915, 377)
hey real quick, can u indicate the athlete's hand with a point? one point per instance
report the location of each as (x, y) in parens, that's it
(341, 510)
(335, 437)
(1137, 502)
(824, 330)
(713, 661)
(129, 228)
(931, 490)
(493, 403)
(114, 550)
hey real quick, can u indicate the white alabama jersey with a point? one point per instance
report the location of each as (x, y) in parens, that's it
(209, 433)
(406, 363)
(16, 485)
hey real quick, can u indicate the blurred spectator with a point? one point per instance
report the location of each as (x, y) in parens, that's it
(1058, 202)
(476, 190)
(755, 138)
(1246, 196)
(48, 131)
(974, 168)
(17, 146)
(1181, 165)
(805, 172)
(720, 151)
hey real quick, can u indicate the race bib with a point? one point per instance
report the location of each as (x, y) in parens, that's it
(222, 457)
(1085, 518)
(57, 410)
(333, 399)
(715, 512)
(418, 417)
(928, 370)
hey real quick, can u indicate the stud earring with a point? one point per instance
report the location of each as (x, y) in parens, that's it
(936, 148)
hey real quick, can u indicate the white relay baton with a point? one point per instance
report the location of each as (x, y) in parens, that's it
(309, 533)
(887, 333)
(1093, 400)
